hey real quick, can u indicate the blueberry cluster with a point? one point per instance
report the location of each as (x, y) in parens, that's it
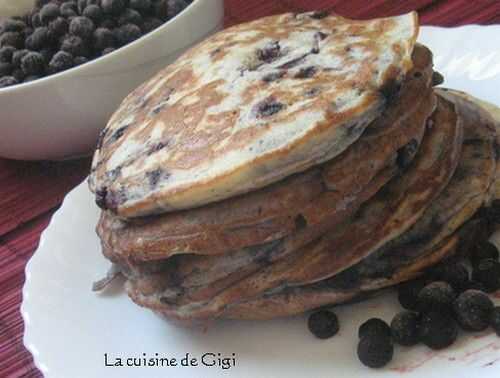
(446, 299)
(57, 35)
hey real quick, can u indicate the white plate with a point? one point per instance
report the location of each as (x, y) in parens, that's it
(69, 329)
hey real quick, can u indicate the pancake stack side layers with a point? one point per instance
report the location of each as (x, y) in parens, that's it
(290, 163)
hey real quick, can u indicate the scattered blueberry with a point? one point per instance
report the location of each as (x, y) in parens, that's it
(487, 272)
(408, 294)
(375, 352)
(405, 328)
(456, 274)
(436, 296)
(374, 327)
(437, 330)
(323, 324)
(495, 319)
(472, 310)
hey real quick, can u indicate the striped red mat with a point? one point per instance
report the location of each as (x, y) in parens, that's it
(30, 192)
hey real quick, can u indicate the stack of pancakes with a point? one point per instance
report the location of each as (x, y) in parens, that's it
(293, 162)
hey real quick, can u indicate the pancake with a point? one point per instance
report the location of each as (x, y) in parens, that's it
(305, 199)
(248, 107)
(300, 299)
(468, 190)
(391, 212)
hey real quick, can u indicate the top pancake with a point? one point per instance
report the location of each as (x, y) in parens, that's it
(249, 106)
(332, 190)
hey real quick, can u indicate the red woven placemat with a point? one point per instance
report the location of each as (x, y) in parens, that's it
(30, 192)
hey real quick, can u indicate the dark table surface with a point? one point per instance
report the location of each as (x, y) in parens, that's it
(30, 192)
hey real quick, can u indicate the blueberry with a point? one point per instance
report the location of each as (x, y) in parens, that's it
(82, 4)
(487, 272)
(32, 63)
(130, 16)
(103, 38)
(75, 46)
(94, 13)
(107, 50)
(14, 39)
(483, 251)
(140, 5)
(108, 23)
(151, 24)
(374, 327)
(47, 53)
(405, 328)
(6, 53)
(17, 56)
(495, 320)
(174, 7)
(160, 9)
(18, 74)
(59, 27)
(456, 274)
(82, 27)
(27, 79)
(79, 60)
(437, 330)
(473, 285)
(61, 61)
(35, 20)
(436, 296)
(113, 6)
(472, 310)
(127, 33)
(5, 69)
(323, 324)
(375, 352)
(39, 39)
(48, 13)
(41, 3)
(27, 32)
(11, 25)
(68, 9)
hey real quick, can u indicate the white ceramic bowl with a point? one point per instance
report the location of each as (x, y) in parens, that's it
(60, 116)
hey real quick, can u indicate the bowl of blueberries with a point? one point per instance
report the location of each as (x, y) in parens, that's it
(65, 66)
